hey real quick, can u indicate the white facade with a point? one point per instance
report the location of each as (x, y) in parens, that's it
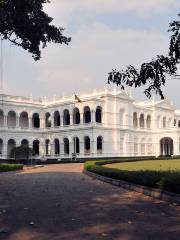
(108, 123)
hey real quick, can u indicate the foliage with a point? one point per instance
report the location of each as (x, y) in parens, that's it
(21, 152)
(164, 179)
(10, 167)
(152, 74)
(25, 24)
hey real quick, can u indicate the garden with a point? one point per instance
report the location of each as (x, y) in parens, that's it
(162, 174)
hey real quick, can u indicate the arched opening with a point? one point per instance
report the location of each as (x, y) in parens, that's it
(175, 121)
(36, 120)
(1, 118)
(66, 146)
(99, 145)
(23, 120)
(66, 118)
(56, 147)
(57, 119)
(76, 116)
(141, 121)
(87, 115)
(179, 124)
(76, 145)
(164, 122)
(1, 147)
(87, 145)
(166, 146)
(36, 147)
(135, 120)
(11, 119)
(99, 115)
(47, 144)
(48, 120)
(10, 146)
(148, 121)
(25, 143)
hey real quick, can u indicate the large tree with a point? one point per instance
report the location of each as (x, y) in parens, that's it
(152, 74)
(25, 24)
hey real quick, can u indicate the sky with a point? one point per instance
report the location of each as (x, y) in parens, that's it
(106, 34)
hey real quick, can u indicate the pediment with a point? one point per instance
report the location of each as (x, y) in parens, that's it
(165, 104)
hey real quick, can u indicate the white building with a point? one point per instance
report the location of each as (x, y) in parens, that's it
(108, 123)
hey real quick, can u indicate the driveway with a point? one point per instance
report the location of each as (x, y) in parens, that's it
(58, 202)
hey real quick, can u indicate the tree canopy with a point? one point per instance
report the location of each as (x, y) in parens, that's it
(152, 74)
(25, 24)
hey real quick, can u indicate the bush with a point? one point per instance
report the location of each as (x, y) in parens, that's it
(165, 180)
(10, 167)
(21, 152)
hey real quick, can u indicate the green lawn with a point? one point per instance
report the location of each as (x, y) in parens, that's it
(163, 174)
(159, 165)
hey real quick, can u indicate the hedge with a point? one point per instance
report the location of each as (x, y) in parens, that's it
(165, 180)
(10, 167)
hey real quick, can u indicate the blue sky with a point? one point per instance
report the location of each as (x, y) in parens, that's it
(105, 34)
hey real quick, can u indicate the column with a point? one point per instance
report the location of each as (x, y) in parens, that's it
(93, 116)
(17, 121)
(30, 122)
(5, 120)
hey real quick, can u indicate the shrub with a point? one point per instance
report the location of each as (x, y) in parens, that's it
(10, 167)
(165, 180)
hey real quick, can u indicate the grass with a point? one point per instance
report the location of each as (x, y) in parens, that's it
(159, 165)
(162, 174)
(10, 167)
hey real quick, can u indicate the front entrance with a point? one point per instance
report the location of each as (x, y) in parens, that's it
(166, 147)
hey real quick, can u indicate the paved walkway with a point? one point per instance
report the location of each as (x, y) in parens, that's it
(58, 202)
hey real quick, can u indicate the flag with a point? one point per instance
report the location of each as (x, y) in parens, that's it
(77, 98)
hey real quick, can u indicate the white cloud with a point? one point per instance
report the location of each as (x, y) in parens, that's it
(76, 8)
(96, 49)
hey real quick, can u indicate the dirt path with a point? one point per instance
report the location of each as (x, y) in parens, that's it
(58, 202)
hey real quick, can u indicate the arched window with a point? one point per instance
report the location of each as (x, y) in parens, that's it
(141, 121)
(25, 143)
(1, 118)
(166, 146)
(164, 122)
(56, 147)
(11, 119)
(48, 120)
(76, 145)
(35, 120)
(179, 124)
(148, 121)
(47, 143)
(1, 147)
(23, 120)
(87, 145)
(10, 146)
(99, 145)
(76, 116)
(135, 120)
(175, 121)
(36, 144)
(66, 118)
(87, 115)
(66, 146)
(99, 115)
(57, 119)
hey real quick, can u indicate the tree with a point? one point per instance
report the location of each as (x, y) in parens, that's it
(21, 153)
(152, 74)
(25, 24)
